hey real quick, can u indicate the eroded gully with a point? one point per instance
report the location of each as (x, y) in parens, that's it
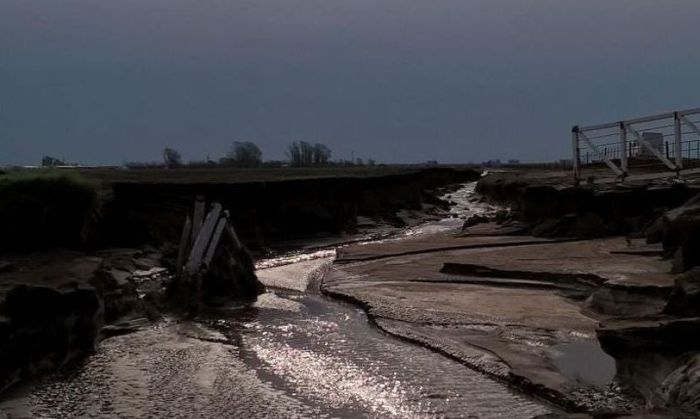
(293, 353)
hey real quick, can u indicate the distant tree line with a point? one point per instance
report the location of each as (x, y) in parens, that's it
(246, 154)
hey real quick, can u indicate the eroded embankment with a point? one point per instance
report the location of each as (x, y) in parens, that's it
(45, 209)
(546, 315)
(265, 212)
(53, 307)
(43, 327)
(555, 207)
(649, 321)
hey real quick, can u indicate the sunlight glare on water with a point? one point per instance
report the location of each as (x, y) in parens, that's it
(329, 354)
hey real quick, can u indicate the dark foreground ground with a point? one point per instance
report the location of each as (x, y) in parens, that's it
(582, 297)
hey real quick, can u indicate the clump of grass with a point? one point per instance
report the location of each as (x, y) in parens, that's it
(45, 208)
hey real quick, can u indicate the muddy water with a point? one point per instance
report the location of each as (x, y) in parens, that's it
(294, 353)
(586, 362)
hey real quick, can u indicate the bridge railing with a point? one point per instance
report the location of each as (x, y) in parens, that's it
(664, 142)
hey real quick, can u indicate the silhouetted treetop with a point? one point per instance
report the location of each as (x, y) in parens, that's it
(172, 157)
(243, 154)
(303, 154)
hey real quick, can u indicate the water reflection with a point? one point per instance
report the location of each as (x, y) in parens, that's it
(329, 356)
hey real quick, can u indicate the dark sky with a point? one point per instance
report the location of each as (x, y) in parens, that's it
(108, 81)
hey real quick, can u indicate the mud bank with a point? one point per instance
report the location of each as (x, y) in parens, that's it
(267, 212)
(56, 306)
(555, 207)
(503, 319)
(647, 316)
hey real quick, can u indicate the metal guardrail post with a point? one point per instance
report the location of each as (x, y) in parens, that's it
(623, 148)
(576, 152)
(677, 150)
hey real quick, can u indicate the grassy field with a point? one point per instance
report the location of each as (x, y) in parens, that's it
(231, 175)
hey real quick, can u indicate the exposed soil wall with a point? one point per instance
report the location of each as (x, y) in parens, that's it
(263, 212)
(592, 210)
(41, 211)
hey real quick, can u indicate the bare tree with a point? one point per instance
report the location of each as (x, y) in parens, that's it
(300, 154)
(172, 157)
(322, 154)
(243, 154)
(307, 153)
(294, 154)
(303, 154)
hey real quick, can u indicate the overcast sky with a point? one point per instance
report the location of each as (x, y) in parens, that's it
(109, 81)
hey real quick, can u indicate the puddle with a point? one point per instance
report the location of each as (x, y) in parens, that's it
(585, 362)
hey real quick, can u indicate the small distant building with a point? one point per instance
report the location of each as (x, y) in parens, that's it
(513, 162)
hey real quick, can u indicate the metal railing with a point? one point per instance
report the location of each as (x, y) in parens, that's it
(663, 142)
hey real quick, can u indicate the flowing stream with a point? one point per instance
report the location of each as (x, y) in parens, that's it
(293, 353)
